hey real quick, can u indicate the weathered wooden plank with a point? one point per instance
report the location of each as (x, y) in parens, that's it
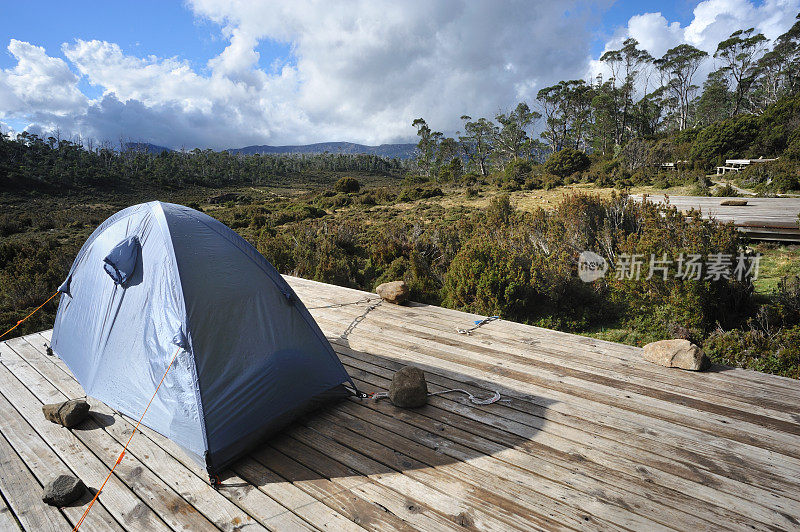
(583, 356)
(87, 451)
(209, 502)
(777, 210)
(24, 493)
(596, 353)
(336, 487)
(552, 398)
(782, 398)
(494, 459)
(460, 503)
(8, 520)
(527, 450)
(45, 464)
(495, 338)
(311, 289)
(579, 437)
(292, 497)
(266, 510)
(407, 505)
(656, 463)
(639, 456)
(587, 386)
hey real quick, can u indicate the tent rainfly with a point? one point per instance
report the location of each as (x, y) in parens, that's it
(159, 278)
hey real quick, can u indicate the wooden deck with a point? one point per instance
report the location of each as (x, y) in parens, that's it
(760, 219)
(589, 437)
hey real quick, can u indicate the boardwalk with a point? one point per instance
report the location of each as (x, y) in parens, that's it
(760, 219)
(588, 437)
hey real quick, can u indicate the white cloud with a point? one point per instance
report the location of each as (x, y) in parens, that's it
(359, 71)
(712, 22)
(38, 84)
(6, 129)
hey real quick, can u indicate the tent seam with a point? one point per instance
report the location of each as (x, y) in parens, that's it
(161, 216)
(265, 266)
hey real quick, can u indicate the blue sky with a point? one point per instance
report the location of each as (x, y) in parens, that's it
(212, 73)
(142, 28)
(169, 28)
(617, 14)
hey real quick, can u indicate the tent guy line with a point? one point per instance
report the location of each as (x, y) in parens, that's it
(125, 447)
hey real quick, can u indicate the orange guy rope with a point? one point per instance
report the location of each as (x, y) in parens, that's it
(125, 448)
(29, 315)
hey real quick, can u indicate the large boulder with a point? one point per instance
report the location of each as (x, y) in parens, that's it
(63, 490)
(733, 203)
(408, 388)
(676, 354)
(394, 292)
(68, 413)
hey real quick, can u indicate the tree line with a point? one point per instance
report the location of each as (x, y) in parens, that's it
(29, 159)
(644, 97)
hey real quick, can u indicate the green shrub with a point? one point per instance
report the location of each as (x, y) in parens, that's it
(490, 277)
(726, 191)
(693, 304)
(777, 353)
(346, 185)
(550, 181)
(452, 171)
(296, 213)
(727, 139)
(416, 193)
(793, 150)
(782, 175)
(518, 171)
(566, 162)
(334, 202)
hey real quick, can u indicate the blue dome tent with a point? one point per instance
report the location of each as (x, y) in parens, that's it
(158, 278)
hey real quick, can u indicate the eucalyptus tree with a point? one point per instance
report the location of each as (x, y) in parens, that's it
(478, 142)
(780, 67)
(427, 147)
(512, 137)
(714, 103)
(739, 55)
(567, 111)
(678, 67)
(629, 66)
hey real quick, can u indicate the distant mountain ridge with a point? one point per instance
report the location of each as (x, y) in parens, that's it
(399, 151)
(145, 147)
(396, 151)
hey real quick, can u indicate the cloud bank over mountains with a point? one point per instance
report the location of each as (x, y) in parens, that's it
(359, 72)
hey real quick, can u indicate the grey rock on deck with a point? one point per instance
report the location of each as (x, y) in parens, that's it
(592, 437)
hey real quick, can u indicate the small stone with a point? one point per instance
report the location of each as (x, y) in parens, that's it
(394, 292)
(733, 202)
(68, 413)
(63, 490)
(676, 354)
(408, 388)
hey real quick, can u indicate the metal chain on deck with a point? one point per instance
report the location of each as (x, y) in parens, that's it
(474, 400)
(359, 319)
(478, 325)
(361, 301)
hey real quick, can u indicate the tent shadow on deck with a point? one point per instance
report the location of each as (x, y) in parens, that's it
(364, 437)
